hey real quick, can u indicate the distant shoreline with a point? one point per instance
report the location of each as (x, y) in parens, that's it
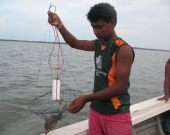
(28, 41)
(66, 43)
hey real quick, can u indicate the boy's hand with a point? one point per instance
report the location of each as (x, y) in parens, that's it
(77, 104)
(166, 98)
(53, 19)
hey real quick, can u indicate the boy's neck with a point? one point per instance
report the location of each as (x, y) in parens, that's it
(112, 38)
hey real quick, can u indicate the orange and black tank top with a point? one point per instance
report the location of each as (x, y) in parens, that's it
(105, 65)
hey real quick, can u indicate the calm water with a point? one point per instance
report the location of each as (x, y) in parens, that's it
(19, 65)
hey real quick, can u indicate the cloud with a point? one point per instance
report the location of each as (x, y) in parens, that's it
(137, 20)
(2, 25)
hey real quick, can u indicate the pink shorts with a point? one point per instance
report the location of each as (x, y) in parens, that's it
(116, 124)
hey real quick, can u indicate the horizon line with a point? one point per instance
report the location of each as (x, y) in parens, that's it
(66, 43)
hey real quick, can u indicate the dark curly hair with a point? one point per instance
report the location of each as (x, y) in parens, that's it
(103, 11)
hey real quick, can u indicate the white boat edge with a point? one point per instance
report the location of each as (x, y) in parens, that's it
(139, 112)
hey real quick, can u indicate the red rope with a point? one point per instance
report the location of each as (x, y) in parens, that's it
(57, 40)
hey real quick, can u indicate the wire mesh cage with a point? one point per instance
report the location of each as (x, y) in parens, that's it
(43, 103)
(53, 110)
(45, 107)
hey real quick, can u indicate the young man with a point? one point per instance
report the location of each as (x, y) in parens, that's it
(110, 101)
(166, 82)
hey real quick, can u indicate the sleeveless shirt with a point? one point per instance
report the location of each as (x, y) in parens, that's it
(105, 65)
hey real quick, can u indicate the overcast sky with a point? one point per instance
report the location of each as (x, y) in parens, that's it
(141, 23)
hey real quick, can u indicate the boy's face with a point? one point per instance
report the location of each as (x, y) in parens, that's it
(103, 30)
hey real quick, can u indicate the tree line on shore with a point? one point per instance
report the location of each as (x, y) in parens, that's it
(28, 41)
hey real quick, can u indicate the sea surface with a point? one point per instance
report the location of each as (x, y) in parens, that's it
(25, 74)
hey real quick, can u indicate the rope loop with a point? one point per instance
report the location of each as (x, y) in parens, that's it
(57, 40)
(51, 7)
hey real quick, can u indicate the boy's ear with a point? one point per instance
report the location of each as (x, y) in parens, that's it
(113, 22)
